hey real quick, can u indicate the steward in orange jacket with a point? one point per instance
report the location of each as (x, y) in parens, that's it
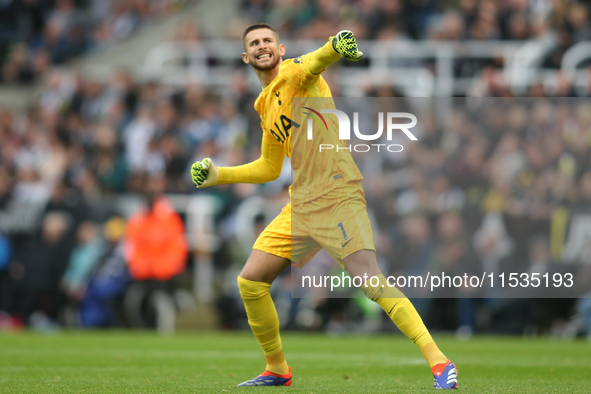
(156, 247)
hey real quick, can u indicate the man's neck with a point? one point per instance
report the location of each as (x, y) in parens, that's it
(266, 77)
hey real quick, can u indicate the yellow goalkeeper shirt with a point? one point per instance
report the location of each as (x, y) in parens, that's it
(315, 172)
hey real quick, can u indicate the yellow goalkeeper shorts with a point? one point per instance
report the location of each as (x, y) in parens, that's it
(337, 222)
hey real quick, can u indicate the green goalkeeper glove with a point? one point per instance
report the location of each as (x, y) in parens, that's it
(345, 44)
(204, 173)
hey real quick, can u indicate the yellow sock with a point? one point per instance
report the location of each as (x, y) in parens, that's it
(433, 355)
(406, 318)
(276, 363)
(263, 320)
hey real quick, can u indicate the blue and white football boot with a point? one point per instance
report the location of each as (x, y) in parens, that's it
(269, 379)
(445, 376)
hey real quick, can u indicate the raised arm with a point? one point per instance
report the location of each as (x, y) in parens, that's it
(265, 169)
(305, 70)
(323, 57)
(342, 44)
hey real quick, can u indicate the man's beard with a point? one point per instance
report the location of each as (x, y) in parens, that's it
(267, 67)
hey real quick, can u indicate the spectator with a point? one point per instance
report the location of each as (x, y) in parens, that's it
(156, 246)
(5, 261)
(38, 270)
(83, 260)
(101, 305)
(155, 251)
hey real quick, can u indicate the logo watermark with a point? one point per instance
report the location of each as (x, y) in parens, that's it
(344, 124)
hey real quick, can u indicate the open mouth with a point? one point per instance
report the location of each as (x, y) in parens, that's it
(264, 56)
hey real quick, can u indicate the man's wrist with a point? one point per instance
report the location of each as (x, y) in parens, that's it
(332, 41)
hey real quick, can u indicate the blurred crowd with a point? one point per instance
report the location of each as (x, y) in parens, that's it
(35, 34)
(428, 19)
(499, 184)
(503, 186)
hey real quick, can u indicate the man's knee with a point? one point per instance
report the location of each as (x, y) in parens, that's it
(263, 267)
(363, 262)
(250, 290)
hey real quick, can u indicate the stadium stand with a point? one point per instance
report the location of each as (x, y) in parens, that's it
(89, 144)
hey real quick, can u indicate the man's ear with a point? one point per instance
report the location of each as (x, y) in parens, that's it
(281, 50)
(245, 58)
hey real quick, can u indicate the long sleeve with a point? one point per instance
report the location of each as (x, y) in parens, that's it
(323, 57)
(265, 169)
(305, 70)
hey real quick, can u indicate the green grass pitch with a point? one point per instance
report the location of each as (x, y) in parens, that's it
(142, 362)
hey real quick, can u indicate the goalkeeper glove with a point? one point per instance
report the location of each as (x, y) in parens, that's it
(345, 44)
(204, 173)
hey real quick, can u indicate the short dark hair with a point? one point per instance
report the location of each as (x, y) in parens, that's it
(258, 26)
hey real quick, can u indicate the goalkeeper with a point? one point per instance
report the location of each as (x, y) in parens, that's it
(327, 209)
